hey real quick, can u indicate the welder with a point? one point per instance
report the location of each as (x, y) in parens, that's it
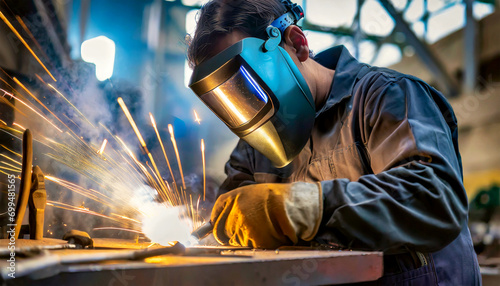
(332, 150)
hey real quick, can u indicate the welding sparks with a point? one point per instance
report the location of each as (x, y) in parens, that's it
(6, 21)
(203, 162)
(12, 166)
(19, 125)
(116, 178)
(82, 209)
(174, 143)
(5, 156)
(196, 117)
(101, 151)
(162, 148)
(9, 169)
(89, 193)
(163, 191)
(131, 121)
(124, 217)
(11, 151)
(31, 108)
(39, 102)
(74, 107)
(15, 167)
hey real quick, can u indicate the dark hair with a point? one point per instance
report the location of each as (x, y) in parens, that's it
(221, 17)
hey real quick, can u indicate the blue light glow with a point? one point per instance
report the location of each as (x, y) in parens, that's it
(262, 95)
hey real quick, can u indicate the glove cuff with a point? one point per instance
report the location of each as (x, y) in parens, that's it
(304, 207)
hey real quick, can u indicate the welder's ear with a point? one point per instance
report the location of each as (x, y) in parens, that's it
(294, 37)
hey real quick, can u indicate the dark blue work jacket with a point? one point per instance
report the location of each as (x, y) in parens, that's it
(384, 146)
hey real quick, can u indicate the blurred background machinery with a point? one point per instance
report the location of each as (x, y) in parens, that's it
(135, 49)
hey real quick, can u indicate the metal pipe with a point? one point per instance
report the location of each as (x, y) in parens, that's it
(24, 191)
(470, 48)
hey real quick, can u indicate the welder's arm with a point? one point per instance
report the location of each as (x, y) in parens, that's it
(263, 215)
(415, 198)
(239, 168)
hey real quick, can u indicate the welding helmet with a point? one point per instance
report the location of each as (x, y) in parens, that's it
(256, 89)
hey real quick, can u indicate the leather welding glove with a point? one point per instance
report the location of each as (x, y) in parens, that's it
(268, 215)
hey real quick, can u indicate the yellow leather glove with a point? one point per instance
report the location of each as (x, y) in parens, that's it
(268, 215)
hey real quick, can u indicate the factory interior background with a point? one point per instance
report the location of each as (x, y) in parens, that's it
(102, 86)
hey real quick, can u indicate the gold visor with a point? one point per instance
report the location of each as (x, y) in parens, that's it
(238, 100)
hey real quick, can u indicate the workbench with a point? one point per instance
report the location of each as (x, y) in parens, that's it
(204, 266)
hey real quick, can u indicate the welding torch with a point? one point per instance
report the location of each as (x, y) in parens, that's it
(203, 231)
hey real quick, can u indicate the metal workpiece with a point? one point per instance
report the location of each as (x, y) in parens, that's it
(49, 263)
(238, 267)
(24, 191)
(37, 201)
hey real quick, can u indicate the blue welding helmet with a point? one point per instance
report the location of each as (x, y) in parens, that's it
(256, 89)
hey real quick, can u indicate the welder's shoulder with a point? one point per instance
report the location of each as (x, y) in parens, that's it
(379, 79)
(387, 87)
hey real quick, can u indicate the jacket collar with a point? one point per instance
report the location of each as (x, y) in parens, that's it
(347, 70)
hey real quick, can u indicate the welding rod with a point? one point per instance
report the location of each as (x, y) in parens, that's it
(203, 231)
(24, 191)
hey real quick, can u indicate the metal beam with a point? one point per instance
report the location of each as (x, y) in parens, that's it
(358, 35)
(422, 50)
(340, 31)
(470, 48)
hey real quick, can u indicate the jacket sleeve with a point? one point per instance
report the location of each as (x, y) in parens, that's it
(239, 169)
(415, 197)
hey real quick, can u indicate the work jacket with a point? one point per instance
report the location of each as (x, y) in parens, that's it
(384, 147)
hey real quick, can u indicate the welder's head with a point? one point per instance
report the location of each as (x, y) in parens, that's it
(218, 18)
(248, 80)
